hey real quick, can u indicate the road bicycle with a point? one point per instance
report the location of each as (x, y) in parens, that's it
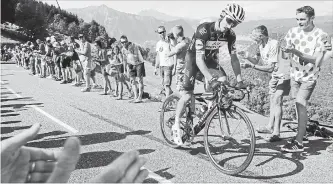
(229, 137)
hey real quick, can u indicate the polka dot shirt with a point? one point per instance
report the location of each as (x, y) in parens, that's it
(308, 43)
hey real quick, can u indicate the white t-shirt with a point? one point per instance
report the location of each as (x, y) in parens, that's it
(269, 53)
(163, 48)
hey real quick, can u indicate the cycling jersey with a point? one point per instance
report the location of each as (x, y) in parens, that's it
(207, 41)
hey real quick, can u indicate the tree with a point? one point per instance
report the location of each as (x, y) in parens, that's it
(73, 29)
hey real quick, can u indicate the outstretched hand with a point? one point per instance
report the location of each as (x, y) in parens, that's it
(21, 164)
(26, 164)
(125, 169)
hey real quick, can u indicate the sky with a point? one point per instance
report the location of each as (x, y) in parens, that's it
(201, 9)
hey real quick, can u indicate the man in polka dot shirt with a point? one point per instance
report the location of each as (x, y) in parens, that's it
(304, 45)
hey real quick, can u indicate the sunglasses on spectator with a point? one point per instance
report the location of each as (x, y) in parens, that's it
(161, 32)
(123, 42)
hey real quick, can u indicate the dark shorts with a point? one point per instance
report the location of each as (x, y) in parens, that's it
(90, 72)
(166, 74)
(137, 70)
(302, 90)
(75, 56)
(192, 72)
(65, 62)
(77, 68)
(279, 84)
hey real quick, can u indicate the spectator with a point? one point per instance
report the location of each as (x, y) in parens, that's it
(77, 66)
(103, 62)
(134, 66)
(20, 164)
(65, 63)
(279, 84)
(88, 65)
(179, 50)
(57, 58)
(48, 58)
(305, 45)
(41, 52)
(166, 64)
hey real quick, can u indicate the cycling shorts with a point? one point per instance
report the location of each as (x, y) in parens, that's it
(192, 72)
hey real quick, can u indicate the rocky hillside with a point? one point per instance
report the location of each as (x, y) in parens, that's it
(137, 28)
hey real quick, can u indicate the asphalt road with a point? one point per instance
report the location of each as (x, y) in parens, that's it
(107, 128)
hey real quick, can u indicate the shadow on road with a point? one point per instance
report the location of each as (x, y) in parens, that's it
(102, 158)
(14, 99)
(87, 139)
(19, 106)
(6, 111)
(8, 93)
(6, 130)
(53, 133)
(8, 115)
(9, 122)
(6, 74)
(273, 155)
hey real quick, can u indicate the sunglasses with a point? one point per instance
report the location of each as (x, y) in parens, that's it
(161, 32)
(231, 22)
(123, 42)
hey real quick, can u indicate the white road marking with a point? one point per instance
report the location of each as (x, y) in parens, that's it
(157, 177)
(71, 129)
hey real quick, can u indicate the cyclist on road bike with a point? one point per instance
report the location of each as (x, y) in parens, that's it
(202, 54)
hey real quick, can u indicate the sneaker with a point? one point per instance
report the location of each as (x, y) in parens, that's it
(49, 77)
(305, 140)
(293, 147)
(240, 85)
(85, 90)
(330, 148)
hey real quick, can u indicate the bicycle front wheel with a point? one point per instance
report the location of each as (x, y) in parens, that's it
(229, 140)
(167, 118)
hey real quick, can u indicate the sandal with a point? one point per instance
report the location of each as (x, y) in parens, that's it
(264, 130)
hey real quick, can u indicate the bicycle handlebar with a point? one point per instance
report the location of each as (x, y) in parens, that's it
(232, 89)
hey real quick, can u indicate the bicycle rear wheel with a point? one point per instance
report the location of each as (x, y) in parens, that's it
(229, 140)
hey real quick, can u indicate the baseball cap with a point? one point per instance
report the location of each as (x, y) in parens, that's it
(80, 35)
(48, 38)
(160, 29)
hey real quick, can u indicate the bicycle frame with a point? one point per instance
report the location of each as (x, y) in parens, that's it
(218, 94)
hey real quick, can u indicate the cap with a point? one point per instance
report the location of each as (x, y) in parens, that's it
(48, 38)
(80, 35)
(160, 29)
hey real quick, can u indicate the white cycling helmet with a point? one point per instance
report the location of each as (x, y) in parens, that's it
(235, 11)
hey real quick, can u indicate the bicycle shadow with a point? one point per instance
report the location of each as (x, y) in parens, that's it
(313, 148)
